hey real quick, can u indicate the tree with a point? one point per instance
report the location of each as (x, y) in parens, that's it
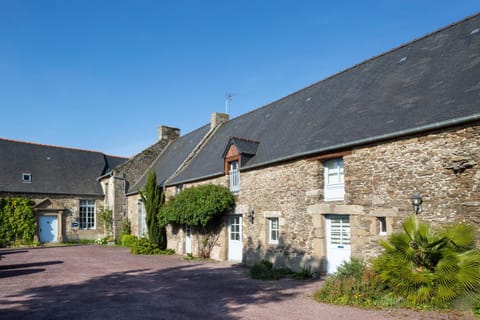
(199, 207)
(428, 266)
(152, 198)
(17, 221)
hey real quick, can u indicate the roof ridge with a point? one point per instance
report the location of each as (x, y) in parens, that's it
(244, 139)
(60, 147)
(201, 144)
(425, 36)
(148, 170)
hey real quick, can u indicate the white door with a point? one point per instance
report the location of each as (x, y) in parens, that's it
(48, 229)
(338, 241)
(188, 239)
(235, 246)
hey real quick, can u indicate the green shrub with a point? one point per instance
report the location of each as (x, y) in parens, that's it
(305, 273)
(264, 270)
(353, 268)
(355, 284)
(201, 207)
(144, 246)
(196, 206)
(126, 227)
(128, 240)
(476, 308)
(17, 221)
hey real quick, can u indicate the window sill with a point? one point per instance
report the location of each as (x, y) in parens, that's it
(333, 199)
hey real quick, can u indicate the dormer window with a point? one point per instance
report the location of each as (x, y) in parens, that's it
(26, 177)
(237, 153)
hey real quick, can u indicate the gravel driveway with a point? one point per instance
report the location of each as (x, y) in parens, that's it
(97, 282)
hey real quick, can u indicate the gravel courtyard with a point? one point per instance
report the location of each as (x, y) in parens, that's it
(101, 282)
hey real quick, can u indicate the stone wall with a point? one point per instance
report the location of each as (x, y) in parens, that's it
(379, 182)
(129, 173)
(68, 206)
(382, 178)
(282, 192)
(132, 213)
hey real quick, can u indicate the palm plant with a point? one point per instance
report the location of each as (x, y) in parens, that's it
(428, 266)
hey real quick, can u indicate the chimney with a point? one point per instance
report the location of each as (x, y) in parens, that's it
(217, 118)
(168, 133)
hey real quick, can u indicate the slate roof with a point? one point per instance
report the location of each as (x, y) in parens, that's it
(430, 83)
(172, 157)
(55, 170)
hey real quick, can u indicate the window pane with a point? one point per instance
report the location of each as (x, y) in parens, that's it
(87, 214)
(274, 230)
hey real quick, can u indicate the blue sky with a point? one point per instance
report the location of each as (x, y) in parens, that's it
(102, 75)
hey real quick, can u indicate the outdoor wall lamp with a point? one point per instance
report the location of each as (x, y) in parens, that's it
(251, 216)
(417, 203)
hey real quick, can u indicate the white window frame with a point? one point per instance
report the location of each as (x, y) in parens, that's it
(273, 230)
(382, 226)
(334, 169)
(26, 177)
(178, 188)
(234, 177)
(87, 211)
(142, 219)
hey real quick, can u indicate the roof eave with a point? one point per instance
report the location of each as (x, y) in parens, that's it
(397, 134)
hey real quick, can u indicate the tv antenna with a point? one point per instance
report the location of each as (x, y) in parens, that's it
(228, 97)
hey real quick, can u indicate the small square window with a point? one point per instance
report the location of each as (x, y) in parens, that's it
(178, 188)
(382, 226)
(26, 177)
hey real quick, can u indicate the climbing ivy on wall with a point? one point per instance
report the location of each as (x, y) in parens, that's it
(17, 221)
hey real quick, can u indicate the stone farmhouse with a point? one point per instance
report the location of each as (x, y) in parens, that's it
(326, 172)
(63, 184)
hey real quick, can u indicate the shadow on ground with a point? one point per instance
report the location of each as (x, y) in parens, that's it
(193, 291)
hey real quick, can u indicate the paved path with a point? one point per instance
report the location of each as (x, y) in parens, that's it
(96, 282)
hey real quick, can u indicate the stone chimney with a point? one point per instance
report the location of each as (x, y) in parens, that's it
(217, 118)
(168, 133)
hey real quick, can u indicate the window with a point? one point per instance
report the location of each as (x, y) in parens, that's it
(235, 228)
(178, 188)
(26, 177)
(273, 233)
(339, 230)
(334, 180)
(87, 214)
(234, 175)
(382, 226)
(142, 219)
